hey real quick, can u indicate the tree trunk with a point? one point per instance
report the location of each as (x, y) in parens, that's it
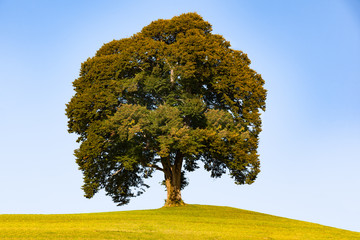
(173, 181)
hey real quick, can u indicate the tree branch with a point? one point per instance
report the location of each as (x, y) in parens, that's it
(171, 71)
(172, 75)
(178, 161)
(117, 172)
(155, 166)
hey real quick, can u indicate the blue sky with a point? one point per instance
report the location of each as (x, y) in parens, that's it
(308, 52)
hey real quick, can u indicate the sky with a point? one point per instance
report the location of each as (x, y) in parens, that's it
(308, 53)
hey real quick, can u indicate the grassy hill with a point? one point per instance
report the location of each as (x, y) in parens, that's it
(186, 222)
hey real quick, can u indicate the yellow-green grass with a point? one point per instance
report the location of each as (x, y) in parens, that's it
(185, 222)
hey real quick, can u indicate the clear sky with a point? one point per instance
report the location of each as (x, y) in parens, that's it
(308, 52)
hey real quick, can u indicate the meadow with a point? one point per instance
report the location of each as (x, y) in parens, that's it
(185, 222)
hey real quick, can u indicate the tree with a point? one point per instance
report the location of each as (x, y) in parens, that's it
(164, 99)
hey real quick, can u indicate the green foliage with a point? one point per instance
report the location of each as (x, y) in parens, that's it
(168, 96)
(186, 223)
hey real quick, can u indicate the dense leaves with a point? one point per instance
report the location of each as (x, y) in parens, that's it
(163, 99)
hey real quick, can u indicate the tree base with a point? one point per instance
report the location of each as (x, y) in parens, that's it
(174, 203)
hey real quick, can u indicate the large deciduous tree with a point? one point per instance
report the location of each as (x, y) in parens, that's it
(162, 100)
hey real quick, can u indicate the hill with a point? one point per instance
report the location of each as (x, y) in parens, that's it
(186, 222)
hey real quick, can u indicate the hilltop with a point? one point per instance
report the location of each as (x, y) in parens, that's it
(185, 222)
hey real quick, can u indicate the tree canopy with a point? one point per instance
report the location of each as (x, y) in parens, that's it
(164, 99)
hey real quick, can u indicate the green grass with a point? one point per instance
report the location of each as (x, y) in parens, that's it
(186, 222)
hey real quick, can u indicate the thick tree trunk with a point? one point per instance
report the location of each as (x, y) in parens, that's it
(173, 194)
(173, 181)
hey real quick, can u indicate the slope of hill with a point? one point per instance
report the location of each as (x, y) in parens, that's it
(186, 222)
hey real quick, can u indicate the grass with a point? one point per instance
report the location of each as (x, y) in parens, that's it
(185, 222)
